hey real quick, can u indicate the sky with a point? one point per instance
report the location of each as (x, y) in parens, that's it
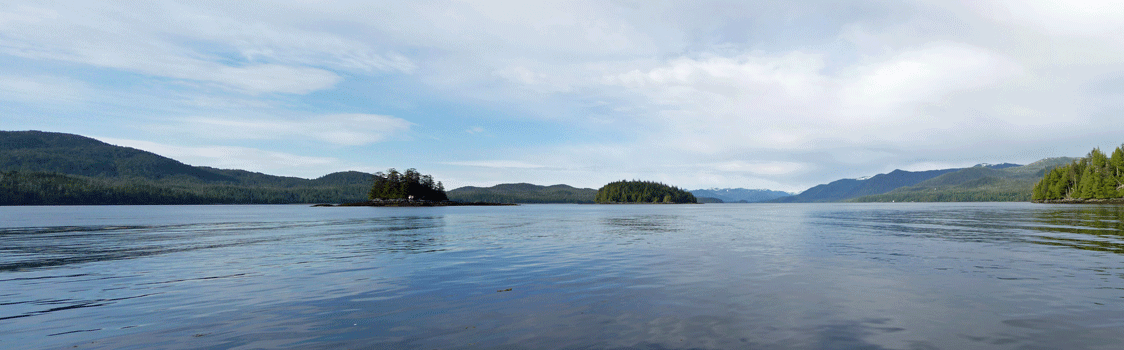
(781, 95)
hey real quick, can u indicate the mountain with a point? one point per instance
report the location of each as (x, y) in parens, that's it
(56, 168)
(976, 184)
(523, 193)
(739, 195)
(37, 151)
(848, 189)
(844, 189)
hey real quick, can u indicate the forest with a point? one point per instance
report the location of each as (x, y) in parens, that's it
(408, 185)
(46, 168)
(1097, 176)
(524, 193)
(39, 188)
(642, 192)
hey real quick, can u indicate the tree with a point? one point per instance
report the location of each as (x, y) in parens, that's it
(411, 184)
(642, 192)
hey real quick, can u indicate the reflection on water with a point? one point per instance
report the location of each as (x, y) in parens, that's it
(643, 224)
(877, 276)
(1087, 227)
(1094, 227)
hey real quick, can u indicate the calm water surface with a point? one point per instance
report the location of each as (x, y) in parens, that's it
(714, 276)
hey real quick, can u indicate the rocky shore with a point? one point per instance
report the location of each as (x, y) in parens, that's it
(411, 203)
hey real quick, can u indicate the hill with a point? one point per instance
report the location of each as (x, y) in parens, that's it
(851, 189)
(1095, 178)
(523, 193)
(37, 151)
(739, 195)
(56, 168)
(975, 184)
(845, 189)
(642, 192)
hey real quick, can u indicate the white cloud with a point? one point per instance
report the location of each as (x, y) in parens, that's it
(500, 164)
(339, 129)
(179, 42)
(760, 168)
(44, 89)
(226, 157)
(757, 93)
(790, 101)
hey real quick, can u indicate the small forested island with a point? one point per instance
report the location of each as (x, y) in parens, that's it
(1097, 178)
(408, 189)
(642, 192)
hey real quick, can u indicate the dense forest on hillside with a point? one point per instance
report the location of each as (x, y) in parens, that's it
(981, 183)
(1097, 176)
(524, 193)
(845, 189)
(642, 192)
(45, 168)
(408, 185)
(36, 188)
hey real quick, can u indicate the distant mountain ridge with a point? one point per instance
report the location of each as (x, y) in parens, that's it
(848, 189)
(39, 167)
(523, 193)
(38, 151)
(976, 184)
(80, 168)
(740, 195)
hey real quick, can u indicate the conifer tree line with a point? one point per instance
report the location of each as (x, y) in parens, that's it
(642, 192)
(37, 188)
(1097, 176)
(395, 185)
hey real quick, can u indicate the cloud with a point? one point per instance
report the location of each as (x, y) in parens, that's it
(723, 106)
(338, 129)
(759, 168)
(226, 157)
(42, 89)
(726, 94)
(499, 164)
(242, 53)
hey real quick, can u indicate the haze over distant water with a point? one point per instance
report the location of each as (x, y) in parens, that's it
(734, 195)
(714, 276)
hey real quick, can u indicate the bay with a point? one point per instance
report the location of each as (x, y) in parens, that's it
(714, 276)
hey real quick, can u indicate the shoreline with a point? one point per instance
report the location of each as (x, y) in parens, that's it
(413, 203)
(1080, 201)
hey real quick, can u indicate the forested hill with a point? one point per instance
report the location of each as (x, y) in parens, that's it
(55, 168)
(852, 189)
(975, 184)
(642, 192)
(523, 193)
(37, 151)
(1097, 177)
(844, 189)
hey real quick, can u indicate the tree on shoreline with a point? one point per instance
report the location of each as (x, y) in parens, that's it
(642, 192)
(409, 185)
(1097, 176)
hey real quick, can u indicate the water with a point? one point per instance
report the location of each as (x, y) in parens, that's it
(714, 276)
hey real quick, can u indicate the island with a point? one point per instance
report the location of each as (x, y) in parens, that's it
(407, 189)
(1097, 178)
(621, 192)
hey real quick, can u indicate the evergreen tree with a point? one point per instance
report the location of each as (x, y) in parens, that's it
(411, 184)
(642, 192)
(1097, 176)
